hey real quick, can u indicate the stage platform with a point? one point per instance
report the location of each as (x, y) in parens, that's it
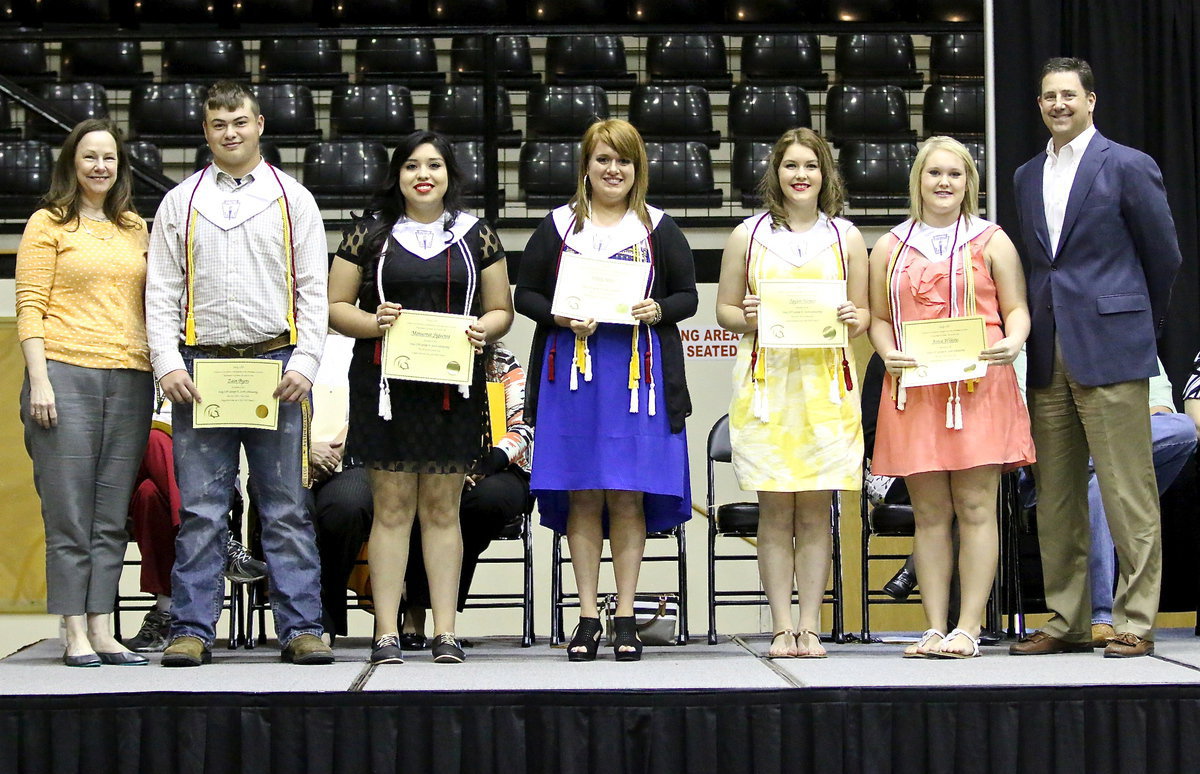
(721, 708)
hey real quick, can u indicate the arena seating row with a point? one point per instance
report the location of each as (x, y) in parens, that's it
(863, 59)
(341, 173)
(407, 12)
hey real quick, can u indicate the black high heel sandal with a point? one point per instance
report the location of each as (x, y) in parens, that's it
(587, 636)
(625, 627)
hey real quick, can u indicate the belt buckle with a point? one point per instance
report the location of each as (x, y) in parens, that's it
(243, 351)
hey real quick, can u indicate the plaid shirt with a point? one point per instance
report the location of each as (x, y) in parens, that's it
(240, 287)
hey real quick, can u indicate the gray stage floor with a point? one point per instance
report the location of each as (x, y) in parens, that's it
(500, 664)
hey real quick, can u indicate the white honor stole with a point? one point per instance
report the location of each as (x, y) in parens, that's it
(227, 210)
(593, 242)
(426, 241)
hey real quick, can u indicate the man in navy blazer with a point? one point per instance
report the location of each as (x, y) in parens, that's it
(1100, 258)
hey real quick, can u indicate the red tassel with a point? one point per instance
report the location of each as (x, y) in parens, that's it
(445, 397)
(378, 352)
(846, 372)
(550, 360)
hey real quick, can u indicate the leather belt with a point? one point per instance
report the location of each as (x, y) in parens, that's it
(245, 350)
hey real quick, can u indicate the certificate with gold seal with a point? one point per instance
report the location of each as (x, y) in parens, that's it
(236, 392)
(801, 313)
(603, 289)
(429, 347)
(946, 350)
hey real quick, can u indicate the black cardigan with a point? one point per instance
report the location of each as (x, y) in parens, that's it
(674, 289)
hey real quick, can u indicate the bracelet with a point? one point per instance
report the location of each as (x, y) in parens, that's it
(657, 314)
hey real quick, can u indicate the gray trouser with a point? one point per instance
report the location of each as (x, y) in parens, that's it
(84, 469)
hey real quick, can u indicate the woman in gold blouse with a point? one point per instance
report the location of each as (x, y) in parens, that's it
(88, 391)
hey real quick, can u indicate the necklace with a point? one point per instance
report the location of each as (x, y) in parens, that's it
(83, 221)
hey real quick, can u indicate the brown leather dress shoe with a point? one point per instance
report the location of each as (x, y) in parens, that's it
(1101, 634)
(1128, 645)
(1042, 644)
(307, 649)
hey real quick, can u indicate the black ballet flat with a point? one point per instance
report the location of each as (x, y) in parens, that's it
(587, 636)
(625, 627)
(86, 660)
(123, 658)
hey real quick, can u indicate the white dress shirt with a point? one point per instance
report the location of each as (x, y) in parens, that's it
(240, 283)
(1058, 175)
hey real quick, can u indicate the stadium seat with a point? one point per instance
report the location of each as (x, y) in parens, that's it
(24, 61)
(314, 62)
(344, 173)
(548, 172)
(169, 115)
(289, 114)
(588, 59)
(877, 59)
(25, 167)
(409, 61)
(950, 10)
(372, 12)
(457, 112)
(559, 12)
(476, 11)
(203, 59)
(377, 111)
(77, 100)
(268, 150)
(114, 64)
(470, 157)
(667, 11)
(7, 129)
(564, 112)
(681, 175)
(750, 159)
(146, 198)
(673, 113)
(866, 112)
(956, 109)
(766, 112)
(513, 63)
(693, 59)
(277, 11)
(956, 56)
(876, 173)
(783, 59)
(765, 10)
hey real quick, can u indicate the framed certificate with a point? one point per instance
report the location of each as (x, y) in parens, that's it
(237, 392)
(599, 288)
(429, 347)
(946, 350)
(801, 313)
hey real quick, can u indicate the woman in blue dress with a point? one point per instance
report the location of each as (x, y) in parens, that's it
(609, 400)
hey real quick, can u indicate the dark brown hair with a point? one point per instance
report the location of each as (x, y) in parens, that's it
(1069, 64)
(229, 95)
(62, 200)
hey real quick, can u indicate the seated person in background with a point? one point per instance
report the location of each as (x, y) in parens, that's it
(154, 523)
(495, 495)
(1172, 440)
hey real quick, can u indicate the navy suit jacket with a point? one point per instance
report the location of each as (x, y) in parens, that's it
(1105, 293)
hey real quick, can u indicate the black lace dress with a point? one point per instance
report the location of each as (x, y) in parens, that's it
(434, 428)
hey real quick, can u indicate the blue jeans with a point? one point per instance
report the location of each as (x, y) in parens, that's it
(1173, 437)
(206, 467)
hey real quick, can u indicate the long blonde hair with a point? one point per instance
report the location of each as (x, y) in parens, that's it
(625, 139)
(970, 202)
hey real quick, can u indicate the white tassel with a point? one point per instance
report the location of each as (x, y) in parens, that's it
(958, 413)
(652, 406)
(835, 395)
(385, 399)
(587, 363)
(633, 401)
(574, 375)
(464, 390)
(950, 413)
(901, 397)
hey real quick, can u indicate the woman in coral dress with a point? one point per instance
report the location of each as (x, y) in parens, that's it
(950, 441)
(794, 422)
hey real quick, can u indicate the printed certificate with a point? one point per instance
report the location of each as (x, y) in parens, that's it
(429, 347)
(599, 288)
(237, 392)
(946, 350)
(801, 313)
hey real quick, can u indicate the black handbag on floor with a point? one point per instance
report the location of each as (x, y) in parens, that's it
(656, 616)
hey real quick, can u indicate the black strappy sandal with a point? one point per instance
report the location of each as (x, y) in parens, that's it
(587, 636)
(626, 637)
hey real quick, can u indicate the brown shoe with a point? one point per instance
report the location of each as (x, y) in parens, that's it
(186, 651)
(1101, 634)
(1042, 644)
(1128, 645)
(307, 649)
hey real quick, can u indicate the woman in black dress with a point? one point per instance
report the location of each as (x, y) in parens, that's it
(414, 248)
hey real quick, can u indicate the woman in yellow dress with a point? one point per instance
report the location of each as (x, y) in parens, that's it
(794, 421)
